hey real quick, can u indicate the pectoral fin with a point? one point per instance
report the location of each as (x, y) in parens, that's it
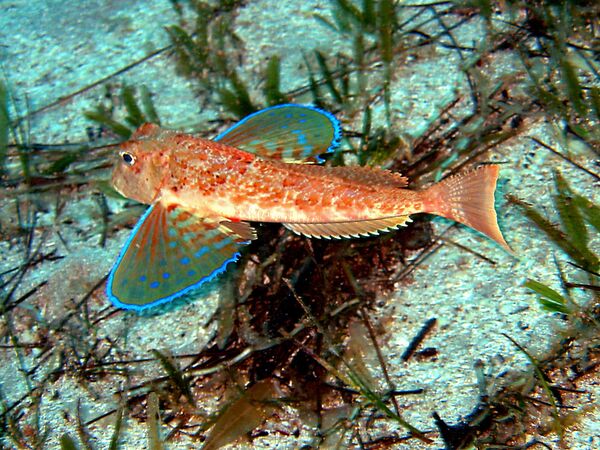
(293, 133)
(169, 252)
(338, 230)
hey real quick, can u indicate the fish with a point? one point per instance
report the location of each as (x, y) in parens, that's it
(205, 194)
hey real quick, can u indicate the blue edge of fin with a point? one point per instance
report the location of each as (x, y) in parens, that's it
(115, 301)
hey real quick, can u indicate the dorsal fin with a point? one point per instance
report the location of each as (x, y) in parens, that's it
(357, 228)
(292, 133)
(358, 174)
(146, 130)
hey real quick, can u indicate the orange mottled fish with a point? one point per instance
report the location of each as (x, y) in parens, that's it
(204, 194)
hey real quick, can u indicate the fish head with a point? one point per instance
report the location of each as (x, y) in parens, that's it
(142, 164)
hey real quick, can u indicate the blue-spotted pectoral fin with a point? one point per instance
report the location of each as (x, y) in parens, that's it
(293, 133)
(170, 251)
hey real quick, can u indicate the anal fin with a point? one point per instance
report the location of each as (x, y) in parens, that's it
(355, 228)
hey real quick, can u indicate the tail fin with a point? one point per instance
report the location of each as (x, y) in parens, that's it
(468, 198)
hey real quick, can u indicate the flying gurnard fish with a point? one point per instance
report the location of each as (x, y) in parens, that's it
(203, 194)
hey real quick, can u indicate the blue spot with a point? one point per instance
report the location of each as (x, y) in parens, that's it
(172, 232)
(302, 114)
(288, 116)
(302, 139)
(284, 127)
(166, 275)
(154, 284)
(302, 121)
(200, 252)
(143, 278)
(191, 273)
(173, 244)
(297, 131)
(185, 260)
(308, 148)
(223, 243)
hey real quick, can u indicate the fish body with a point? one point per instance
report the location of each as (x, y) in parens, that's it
(215, 180)
(203, 194)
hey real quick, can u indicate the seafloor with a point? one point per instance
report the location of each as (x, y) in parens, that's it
(51, 49)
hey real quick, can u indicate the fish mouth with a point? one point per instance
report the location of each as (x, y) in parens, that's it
(119, 191)
(115, 183)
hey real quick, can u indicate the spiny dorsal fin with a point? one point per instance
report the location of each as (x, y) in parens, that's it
(148, 131)
(357, 228)
(358, 174)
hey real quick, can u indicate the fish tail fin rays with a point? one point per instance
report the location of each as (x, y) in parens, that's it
(468, 198)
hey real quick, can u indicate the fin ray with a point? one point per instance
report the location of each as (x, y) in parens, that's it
(241, 229)
(358, 174)
(348, 229)
(468, 198)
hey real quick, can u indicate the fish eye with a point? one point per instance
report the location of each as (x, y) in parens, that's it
(128, 158)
